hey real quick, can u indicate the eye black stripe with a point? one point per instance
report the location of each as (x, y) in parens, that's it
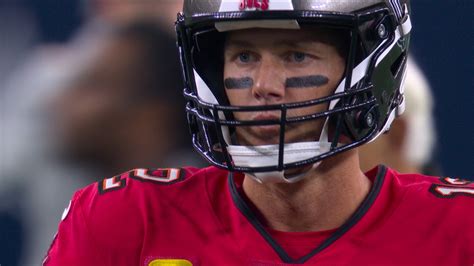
(295, 82)
(306, 81)
(238, 83)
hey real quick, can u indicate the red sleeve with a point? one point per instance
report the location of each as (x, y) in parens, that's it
(105, 221)
(98, 229)
(73, 243)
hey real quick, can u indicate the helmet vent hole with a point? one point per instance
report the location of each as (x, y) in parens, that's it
(398, 65)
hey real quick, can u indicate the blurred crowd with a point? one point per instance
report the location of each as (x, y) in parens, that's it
(108, 100)
(105, 101)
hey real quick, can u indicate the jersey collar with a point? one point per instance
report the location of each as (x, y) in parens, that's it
(241, 202)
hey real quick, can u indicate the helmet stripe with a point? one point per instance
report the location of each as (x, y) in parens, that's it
(397, 8)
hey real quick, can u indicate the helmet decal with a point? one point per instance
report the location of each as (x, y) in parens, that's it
(255, 5)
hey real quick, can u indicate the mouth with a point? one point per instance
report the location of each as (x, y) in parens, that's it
(266, 116)
(266, 131)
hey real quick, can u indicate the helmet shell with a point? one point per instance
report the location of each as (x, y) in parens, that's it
(363, 105)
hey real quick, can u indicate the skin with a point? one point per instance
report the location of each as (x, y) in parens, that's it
(272, 64)
(295, 82)
(330, 194)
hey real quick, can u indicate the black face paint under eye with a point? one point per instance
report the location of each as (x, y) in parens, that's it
(306, 81)
(238, 83)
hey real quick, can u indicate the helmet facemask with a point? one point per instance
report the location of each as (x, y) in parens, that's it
(355, 113)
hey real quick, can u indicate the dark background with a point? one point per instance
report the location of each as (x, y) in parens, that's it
(443, 44)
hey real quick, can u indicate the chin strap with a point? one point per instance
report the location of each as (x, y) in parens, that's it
(267, 155)
(280, 177)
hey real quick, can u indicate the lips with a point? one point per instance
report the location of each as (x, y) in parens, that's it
(267, 131)
(266, 116)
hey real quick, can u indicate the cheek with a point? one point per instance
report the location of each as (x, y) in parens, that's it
(240, 82)
(336, 70)
(301, 95)
(237, 96)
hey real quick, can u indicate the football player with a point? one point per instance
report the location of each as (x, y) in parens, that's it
(279, 95)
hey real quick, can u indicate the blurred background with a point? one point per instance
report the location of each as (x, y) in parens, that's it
(91, 88)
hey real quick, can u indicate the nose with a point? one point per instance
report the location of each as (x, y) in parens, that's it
(269, 85)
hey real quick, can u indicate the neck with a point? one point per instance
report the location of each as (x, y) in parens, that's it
(323, 200)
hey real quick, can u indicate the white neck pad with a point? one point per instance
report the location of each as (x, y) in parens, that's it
(267, 155)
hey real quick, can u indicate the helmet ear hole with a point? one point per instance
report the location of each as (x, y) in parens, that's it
(355, 124)
(366, 118)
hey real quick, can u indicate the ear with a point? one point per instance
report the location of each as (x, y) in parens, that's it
(398, 133)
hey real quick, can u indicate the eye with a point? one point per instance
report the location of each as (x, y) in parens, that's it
(244, 57)
(298, 56)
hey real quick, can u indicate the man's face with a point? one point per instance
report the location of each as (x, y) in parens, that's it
(267, 66)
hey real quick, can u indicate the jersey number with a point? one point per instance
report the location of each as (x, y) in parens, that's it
(113, 183)
(453, 188)
(163, 176)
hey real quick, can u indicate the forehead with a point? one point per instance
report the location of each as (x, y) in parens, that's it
(275, 37)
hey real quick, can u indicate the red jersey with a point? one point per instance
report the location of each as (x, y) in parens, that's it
(201, 217)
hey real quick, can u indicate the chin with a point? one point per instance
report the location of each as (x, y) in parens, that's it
(259, 137)
(267, 132)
